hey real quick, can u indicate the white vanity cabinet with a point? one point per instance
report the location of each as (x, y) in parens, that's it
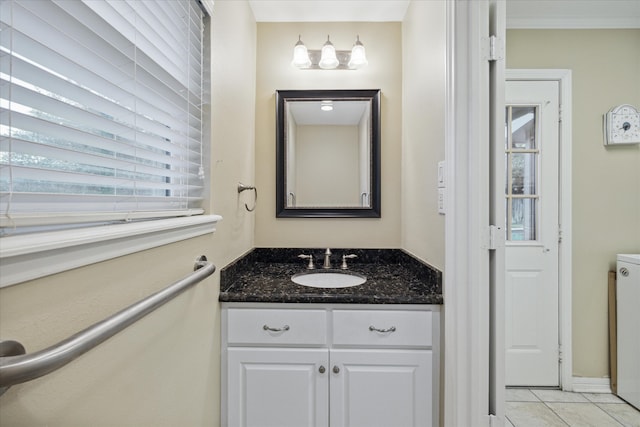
(277, 387)
(330, 365)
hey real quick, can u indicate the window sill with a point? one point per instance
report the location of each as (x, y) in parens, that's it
(32, 256)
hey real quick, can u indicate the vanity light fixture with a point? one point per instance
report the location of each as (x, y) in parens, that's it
(328, 58)
(300, 55)
(326, 105)
(358, 56)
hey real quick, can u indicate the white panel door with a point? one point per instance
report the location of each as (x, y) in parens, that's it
(628, 321)
(381, 388)
(278, 387)
(531, 249)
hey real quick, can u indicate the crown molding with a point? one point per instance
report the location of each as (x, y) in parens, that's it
(573, 14)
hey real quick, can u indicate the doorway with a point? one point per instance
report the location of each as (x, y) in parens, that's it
(537, 256)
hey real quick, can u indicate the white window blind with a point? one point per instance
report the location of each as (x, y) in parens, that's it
(101, 111)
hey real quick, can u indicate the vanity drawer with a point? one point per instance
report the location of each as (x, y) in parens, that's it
(384, 328)
(276, 327)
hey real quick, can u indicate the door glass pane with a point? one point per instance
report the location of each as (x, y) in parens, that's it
(523, 173)
(523, 219)
(521, 165)
(507, 121)
(507, 181)
(523, 127)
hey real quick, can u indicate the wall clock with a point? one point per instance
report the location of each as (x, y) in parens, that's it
(622, 125)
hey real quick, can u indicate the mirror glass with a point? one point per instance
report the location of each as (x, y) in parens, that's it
(328, 153)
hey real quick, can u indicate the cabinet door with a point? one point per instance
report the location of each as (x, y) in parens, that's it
(383, 388)
(277, 387)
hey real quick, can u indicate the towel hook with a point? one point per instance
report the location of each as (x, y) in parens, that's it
(241, 188)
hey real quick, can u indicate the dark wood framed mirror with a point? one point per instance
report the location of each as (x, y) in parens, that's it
(328, 153)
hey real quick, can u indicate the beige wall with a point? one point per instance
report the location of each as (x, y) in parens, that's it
(328, 152)
(165, 369)
(423, 79)
(157, 372)
(233, 76)
(605, 67)
(274, 71)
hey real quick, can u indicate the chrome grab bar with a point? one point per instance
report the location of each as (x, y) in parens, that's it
(27, 367)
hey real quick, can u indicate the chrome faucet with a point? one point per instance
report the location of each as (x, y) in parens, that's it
(310, 265)
(344, 260)
(327, 259)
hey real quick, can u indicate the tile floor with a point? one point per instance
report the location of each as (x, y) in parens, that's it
(551, 408)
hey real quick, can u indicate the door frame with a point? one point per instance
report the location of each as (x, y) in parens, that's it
(563, 77)
(467, 338)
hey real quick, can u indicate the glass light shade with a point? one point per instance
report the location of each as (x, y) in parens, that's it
(326, 105)
(300, 55)
(328, 58)
(358, 57)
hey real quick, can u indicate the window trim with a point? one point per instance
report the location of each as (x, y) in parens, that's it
(31, 256)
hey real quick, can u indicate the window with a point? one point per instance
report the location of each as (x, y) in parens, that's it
(101, 111)
(522, 159)
(100, 124)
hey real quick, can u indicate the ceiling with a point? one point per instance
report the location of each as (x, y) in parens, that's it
(344, 113)
(520, 13)
(329, 10)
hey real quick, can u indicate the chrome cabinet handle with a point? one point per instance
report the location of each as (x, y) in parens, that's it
(624, 271)
(382, 331)
(321, 369)
(336, 370)
(268, 328)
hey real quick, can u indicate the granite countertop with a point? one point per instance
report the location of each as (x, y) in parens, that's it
(393, 277)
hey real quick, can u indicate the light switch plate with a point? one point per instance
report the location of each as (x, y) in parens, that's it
(441, 195)
(441, 173)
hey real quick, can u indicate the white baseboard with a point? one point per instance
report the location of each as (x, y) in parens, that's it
(591, 385)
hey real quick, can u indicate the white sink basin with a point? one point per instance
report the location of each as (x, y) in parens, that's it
(325, 279)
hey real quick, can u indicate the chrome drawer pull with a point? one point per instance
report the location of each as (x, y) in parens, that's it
(268, 328)
(382, 331)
